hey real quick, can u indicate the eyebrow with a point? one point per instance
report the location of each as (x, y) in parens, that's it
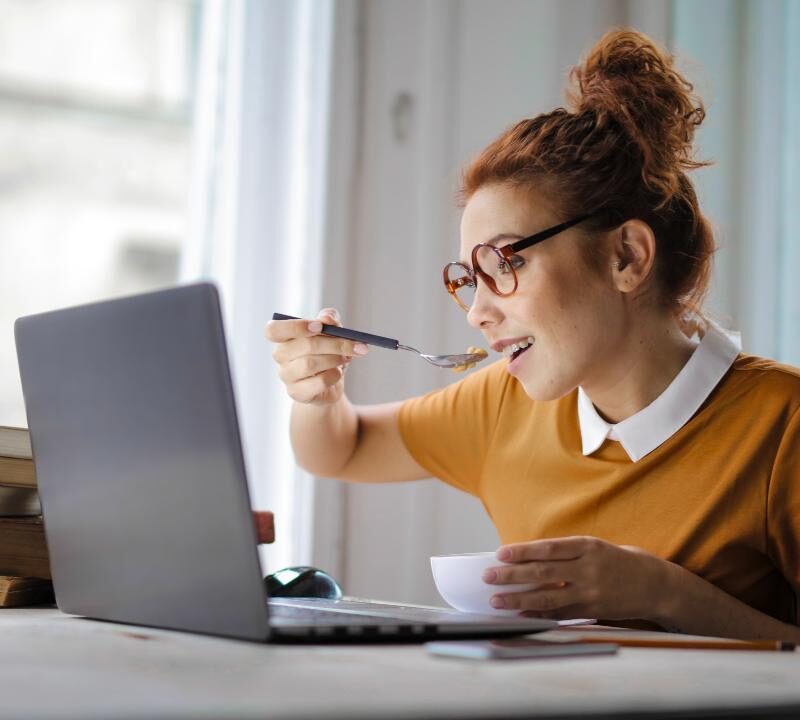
(496, 239)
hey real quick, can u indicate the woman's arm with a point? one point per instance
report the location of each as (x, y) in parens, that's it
(694, 606)
(330, 436)
(358, 443)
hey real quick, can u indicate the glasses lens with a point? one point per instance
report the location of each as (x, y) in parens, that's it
(461, 280)
(492, 263)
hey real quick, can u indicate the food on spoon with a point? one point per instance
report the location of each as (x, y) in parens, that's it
(468, 366)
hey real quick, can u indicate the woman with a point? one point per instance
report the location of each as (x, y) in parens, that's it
(634, 462)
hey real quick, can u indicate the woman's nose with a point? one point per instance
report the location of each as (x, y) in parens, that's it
(483, 309)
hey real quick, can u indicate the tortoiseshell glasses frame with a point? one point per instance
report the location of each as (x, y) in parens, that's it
(504, 255)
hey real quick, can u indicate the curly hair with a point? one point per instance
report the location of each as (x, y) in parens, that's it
(624, 145)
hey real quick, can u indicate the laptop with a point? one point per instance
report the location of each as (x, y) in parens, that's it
(142, 481)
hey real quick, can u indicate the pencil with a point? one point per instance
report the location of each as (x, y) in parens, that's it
(690, 644)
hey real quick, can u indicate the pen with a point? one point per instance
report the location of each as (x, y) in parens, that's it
(691, 644)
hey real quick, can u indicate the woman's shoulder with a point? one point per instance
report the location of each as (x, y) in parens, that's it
(773, 369)
(767, 377)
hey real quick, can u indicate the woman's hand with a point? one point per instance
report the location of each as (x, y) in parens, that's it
(580, 577)
(310, 364)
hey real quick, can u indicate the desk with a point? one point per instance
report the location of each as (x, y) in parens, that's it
(58, 666)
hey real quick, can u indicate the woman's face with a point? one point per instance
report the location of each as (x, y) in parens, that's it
(573, 313)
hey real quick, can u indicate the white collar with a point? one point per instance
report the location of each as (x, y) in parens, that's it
(653, 425)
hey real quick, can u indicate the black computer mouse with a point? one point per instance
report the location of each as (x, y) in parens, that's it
(300, 582)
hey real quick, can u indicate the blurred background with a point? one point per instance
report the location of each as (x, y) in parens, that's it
(306, 153)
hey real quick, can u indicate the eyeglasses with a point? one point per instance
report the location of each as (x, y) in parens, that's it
(495, 266)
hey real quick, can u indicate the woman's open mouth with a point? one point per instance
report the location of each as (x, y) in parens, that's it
(512, 352)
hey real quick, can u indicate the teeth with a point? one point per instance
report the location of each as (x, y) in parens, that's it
(509, 350)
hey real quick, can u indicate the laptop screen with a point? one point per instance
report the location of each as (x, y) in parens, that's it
(139, 464)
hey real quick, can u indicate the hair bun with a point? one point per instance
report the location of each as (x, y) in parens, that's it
(628, 79)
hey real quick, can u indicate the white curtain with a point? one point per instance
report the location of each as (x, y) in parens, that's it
(789, 327)
(744, 56)
(257, 209)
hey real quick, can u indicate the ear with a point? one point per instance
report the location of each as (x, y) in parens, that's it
(633, 255)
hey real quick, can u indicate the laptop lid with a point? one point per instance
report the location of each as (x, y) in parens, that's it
(139, 464)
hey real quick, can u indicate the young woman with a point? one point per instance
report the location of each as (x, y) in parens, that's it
(634, 462)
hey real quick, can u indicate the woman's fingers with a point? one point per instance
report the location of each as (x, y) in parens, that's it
(316, 345)
(310, 389)
(284, 330)
(279, 331)
(311, 364)
(565, 548)
(307, 366)
(536, 573)
(550, 598)
(330, 316)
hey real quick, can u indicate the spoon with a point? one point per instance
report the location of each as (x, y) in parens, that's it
(442, 361)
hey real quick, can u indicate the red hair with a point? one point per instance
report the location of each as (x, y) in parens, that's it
(623, 146)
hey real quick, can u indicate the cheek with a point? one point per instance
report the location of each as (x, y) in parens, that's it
(575, 319)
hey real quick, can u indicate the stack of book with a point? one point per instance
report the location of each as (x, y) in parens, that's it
(24, 563)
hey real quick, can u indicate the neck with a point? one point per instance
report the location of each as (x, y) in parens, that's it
(647, 358)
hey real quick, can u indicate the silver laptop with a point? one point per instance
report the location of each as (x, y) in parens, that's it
(139, 463)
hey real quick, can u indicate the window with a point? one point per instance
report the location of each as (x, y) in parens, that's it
(96, 100)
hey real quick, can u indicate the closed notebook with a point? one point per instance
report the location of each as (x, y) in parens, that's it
(23, 550)
(16, 458)
(16, 472)
(19, 501)
(15, 442)
(20, 591)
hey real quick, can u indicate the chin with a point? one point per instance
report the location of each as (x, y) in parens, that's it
(544, 390)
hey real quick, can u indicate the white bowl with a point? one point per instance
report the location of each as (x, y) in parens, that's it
(458, 580)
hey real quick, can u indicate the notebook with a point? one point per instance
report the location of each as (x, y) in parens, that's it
(143, 488)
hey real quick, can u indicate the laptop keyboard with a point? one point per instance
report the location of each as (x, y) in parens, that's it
(346, 612)
(280, 614)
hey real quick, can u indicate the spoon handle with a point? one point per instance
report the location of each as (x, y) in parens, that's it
(348, 334)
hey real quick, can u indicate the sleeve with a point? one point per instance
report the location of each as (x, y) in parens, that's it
(449, 431)
(783, 505)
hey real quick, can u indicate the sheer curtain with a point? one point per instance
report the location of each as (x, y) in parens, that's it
(789, 327)
(745, 57)
(258, 206)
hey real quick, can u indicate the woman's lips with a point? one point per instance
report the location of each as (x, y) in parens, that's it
(516, 362)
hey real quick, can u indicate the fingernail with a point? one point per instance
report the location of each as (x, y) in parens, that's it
(314, 326)
(489, 576)
(360, 349)
(498, 602)
(504, 554)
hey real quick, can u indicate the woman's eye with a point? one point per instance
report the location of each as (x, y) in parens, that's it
(515, 261)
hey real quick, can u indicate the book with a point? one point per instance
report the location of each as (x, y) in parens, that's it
(16, 458)
(15, 442)
(23, 549)
(18, 591)
(19, 501)
(16, 472)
